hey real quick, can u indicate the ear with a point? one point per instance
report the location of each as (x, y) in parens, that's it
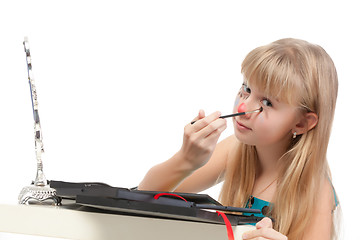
(306, 123)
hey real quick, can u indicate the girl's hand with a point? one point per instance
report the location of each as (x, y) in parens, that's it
(264, 230)
(201, 138)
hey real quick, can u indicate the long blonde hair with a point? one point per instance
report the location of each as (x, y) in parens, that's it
(301, 74)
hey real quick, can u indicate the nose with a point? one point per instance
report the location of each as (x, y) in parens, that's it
(242, 108)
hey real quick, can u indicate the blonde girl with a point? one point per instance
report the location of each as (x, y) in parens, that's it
(276, 159)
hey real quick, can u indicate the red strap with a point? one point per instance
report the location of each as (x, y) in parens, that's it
(228, 225)
(168, 194)
(226, 220)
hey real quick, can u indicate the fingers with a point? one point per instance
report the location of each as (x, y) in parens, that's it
(200, 139)
(202, 121)
(200, 116)
(264, 233)
(264, 230)
(264, 223)
(208, 126)
(214, 129)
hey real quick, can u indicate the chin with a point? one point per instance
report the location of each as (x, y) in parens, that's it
(245, 139)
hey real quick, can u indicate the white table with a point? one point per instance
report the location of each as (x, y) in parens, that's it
(71, 222)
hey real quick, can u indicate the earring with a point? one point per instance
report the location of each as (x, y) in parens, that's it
(294, 135)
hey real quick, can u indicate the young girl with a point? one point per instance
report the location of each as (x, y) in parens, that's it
(276, 159)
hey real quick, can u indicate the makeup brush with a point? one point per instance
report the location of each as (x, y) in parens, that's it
(238, 114)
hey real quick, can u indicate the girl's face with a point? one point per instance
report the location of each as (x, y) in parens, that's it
(270, 127)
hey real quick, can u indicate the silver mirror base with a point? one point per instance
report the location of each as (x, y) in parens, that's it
(39, 194)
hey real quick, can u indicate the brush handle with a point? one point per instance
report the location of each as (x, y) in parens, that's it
(226, 116)
(237, 114)
(234, 115)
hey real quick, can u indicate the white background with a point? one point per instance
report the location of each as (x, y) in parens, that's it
(118, 80)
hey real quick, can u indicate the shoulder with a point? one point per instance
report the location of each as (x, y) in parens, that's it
(229, 141)
(326, 199)
(321, 223)
(226, 147)
(232, 148)
(326, 195)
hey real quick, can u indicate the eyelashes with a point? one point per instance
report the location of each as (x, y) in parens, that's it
(246, 88)
(266, 102)
(244, 91)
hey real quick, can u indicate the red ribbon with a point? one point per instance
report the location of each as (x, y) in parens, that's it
(228, 225)
(226, 220)
(168, 194)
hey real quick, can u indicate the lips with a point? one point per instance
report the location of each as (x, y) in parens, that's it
(242, 126)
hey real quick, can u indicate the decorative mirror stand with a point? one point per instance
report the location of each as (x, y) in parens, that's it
(39, 191)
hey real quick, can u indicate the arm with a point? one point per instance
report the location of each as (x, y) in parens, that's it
(198, 146)
(213, 172)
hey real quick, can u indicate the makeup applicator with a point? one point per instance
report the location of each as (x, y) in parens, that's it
(238, 114)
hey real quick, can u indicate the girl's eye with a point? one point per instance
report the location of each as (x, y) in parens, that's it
(244, 91)
(266, 102)
(246, 88)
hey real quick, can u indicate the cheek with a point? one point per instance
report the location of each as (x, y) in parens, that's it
(261, 119)
(269, 130)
